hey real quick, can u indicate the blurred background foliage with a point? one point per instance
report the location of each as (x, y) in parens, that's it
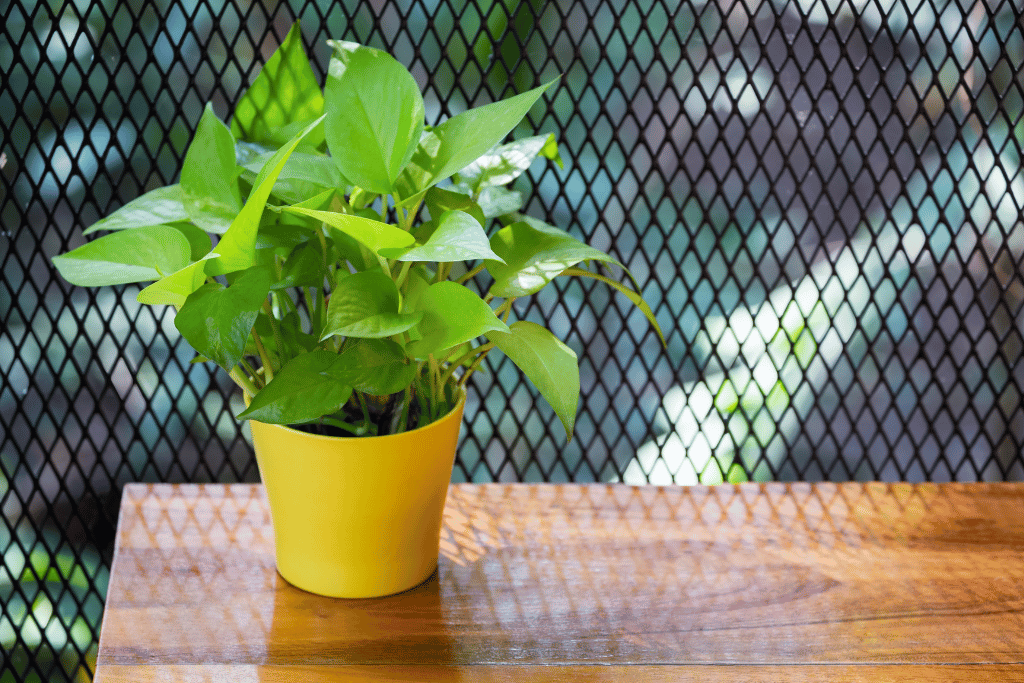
(821, 199)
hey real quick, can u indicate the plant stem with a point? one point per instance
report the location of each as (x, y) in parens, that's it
(472, 368)
(401, 275)
(244, 382)
(406, 400)
(469, 276)
(268, 367)
(251, 373)
(278, 341)
(457, 363)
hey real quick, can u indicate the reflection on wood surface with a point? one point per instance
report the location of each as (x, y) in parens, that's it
(576, 575)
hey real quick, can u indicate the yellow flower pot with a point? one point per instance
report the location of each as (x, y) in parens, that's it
(357, 517)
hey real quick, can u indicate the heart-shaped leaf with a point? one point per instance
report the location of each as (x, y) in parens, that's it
(307, 387)
(504, 163)
(439, 200)
(535, 253)
(366, 305)
(209, 185)
(375, 117)
(457, 142)
(137, 255)
(452, 315)
(157, 207)
(458, 237)
(385, 369)
(551, 366)
(283, 99)
(175, 288)
(217, 320)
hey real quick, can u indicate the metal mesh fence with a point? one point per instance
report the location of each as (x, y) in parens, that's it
(821, 199)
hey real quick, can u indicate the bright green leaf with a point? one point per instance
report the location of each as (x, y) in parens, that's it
(499, 201)
(459, 141)
(216, 320)
(283, 99)
(175, 288)
(632, 295)
(452, 315)
(504, 163)
(307, 387)
(458, 237)
(374, 117)
(535, 254)
(160, 206)
(366, 305)
(551, 366)
(372, 234)
(439, 200)
(237, 248)
(209, 186)
(138, 255)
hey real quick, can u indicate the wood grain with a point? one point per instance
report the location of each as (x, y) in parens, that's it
(737, 577)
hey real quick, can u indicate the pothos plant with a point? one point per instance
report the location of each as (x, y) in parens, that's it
(311, 250)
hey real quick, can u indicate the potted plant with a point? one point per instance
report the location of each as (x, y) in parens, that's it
(311, 251)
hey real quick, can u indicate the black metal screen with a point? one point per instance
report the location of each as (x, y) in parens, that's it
(822, 200)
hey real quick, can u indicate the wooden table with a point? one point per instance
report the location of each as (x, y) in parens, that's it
(848, 582)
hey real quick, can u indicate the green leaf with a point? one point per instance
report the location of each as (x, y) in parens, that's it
(366, 305)
(160, 206)
(439, 200)
(551, 366)
(375, 117)
(217, 320)
(237, 248)
(384, 367)
(535, 254)
(499, 201)
(452, 315)
(458, 237)
(504, 163)
(137, 255)
(304, 174)
(175, 288)
(308, 387)
(209, 186)
(633, 296)
(306, 266)
(456, 143)
(283, 99)
(372, 234)
(199, 242)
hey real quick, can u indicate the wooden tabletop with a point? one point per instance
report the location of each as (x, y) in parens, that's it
(844, 582)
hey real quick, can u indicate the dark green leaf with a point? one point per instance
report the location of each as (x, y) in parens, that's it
(534, 255)
(237, 248)
(216, 320)
(283, 99)
(306, 266)
(375, 117)
(551, 366)
(384, 367)
(504, 163)
(372, 234)
(208, 182)
(199, 242)
(306, 388)
(160, 206)
(458, 237)
(366, 305)
(452, 315)
(633, 296)
(456, 143)
(137, 255)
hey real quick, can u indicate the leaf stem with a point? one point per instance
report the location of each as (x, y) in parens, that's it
(278, 341)
(457, 363)
(470, 275)
(406, 400)
(242, 381)
(472, 368)
(268, 367)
